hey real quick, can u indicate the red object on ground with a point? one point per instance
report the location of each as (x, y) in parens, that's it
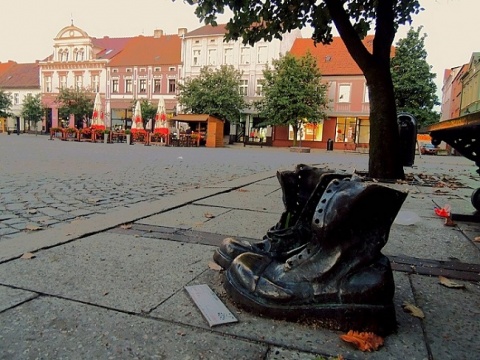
(443, 212)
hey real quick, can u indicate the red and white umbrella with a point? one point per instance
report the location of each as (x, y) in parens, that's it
(98, 117)
(161, 117)
(137, 123)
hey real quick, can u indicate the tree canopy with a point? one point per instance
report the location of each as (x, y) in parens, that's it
(76, 101)
(148, 111)
(260, 19)
(32, 108)
(293, 93)
(5, 104)
(413, 81)
(214, 92)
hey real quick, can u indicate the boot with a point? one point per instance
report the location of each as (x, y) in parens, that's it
(300, 201)
(340, 278)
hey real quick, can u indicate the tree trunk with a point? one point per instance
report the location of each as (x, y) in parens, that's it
(385, 160)
(295, 133)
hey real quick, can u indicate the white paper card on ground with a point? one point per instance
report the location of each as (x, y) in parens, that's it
(212, 308)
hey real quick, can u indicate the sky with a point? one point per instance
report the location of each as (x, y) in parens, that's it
(29, 26)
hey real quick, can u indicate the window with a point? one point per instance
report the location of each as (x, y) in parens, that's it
(64, 55)
(259, 91)
(63, 81)
(366, 98)
(157, 85)
(47, 85)
(171, 68)
(79, 55)
(245, 55)
(228, 56)
(344, 93)
(78, 81)
(212, 56)
(262, 55)
(171, 85)
(16, 98)
(243, 87)
(128, 85)
(96, 83)
(346, 129)
(157, 69)
(143, 85)
(115, 86)
(128, 70)
(196, 57)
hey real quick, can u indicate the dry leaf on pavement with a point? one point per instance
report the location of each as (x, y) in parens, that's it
(33, 227)
(477, 239)
(28, 256)
(365, 341)
(449, 283)
(126, 226)
(209, 216)
(214, 266)
(413, 310)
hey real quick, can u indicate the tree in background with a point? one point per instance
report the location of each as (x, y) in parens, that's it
(213, 92)
(76, 101)
(32, 109)
(413, 81)
(259, 19)
(5, 104)
(293, 93)
(148, 112)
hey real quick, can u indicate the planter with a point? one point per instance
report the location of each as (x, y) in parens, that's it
(105, 138)
(129, 139)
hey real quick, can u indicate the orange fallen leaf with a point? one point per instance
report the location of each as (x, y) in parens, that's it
(365, 341)
(209, 216)
(449, 283)
(477, 239)
(214, 266)
(449, 222)
(413, 310)
(28, 256)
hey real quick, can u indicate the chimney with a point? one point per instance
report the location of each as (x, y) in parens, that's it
(182, 31)
(158, 33)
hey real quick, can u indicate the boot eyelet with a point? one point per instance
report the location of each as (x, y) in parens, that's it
(299, 256)
(317, 221)
(323, 201)
(328, 191)
(336, 182)
(320, 211)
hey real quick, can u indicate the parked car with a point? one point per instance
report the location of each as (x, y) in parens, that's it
(428, 149)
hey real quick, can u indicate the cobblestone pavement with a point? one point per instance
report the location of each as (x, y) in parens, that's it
(44, 183)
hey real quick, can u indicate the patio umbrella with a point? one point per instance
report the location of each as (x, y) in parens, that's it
(137, 123)
(161, 117)
(97, 117)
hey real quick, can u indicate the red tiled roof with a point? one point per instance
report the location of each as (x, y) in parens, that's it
(149, 50)
(334, 58)
(21, 76)
(208, 30)
(6, 66)
(110, 46)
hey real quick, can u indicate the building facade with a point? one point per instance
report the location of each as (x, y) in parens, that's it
(347, 123)
(205, 46)
(19, 80)
(77, 61)
(149, 67)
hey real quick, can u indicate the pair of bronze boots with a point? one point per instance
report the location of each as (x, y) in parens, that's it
(322, 261)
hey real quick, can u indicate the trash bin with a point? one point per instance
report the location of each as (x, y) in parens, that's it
(329, 145)
(407, 127)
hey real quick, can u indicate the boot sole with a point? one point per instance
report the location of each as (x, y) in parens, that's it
(379, 319)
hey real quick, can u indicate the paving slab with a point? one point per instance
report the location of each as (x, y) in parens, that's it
(251, 197)
(452, 317)
(241, 223)
(431, 239)
(9, 297)
(52, 328)
(185, 217)
(406, 343)
(117, 271)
